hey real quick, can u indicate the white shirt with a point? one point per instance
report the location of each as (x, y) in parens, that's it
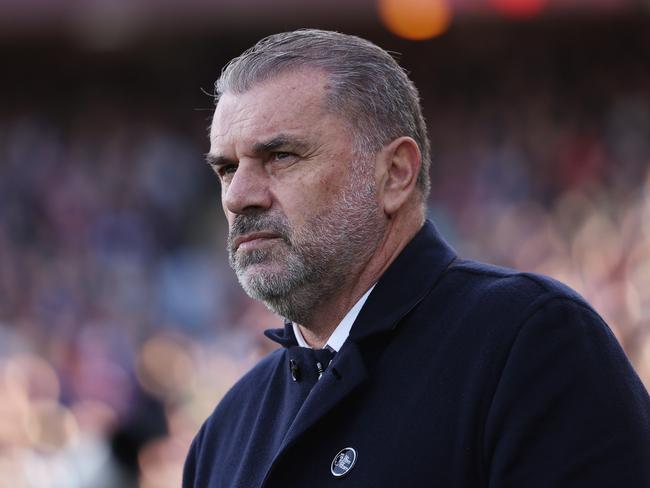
(342, 330)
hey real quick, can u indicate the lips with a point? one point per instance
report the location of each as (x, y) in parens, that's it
(254, 240)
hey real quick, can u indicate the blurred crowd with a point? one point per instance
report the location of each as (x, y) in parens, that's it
(121, 324)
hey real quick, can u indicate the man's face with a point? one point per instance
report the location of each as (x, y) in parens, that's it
(301, 208)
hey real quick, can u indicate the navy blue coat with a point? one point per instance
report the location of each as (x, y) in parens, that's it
(455, 374)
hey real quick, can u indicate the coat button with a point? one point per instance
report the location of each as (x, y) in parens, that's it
(295, 371)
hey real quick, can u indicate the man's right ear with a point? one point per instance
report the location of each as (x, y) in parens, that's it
(398, 166)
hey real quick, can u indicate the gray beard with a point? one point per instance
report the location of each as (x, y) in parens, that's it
(317, 259)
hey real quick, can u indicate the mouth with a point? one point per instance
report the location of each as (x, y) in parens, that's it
(254, 240)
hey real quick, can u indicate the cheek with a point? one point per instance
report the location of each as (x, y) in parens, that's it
(311, 191)
(331, 186)
(309, 198)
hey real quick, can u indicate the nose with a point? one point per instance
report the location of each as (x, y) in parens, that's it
(248, 189)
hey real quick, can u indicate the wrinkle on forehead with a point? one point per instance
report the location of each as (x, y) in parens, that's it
(293, 102)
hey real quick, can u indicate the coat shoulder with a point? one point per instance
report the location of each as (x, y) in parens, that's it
(511, 290)
(509, 281)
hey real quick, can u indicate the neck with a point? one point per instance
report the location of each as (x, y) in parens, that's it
(328, 313)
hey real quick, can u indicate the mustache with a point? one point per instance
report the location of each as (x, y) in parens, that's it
(245, 224)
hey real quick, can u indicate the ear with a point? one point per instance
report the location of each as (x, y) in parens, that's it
(398, 166)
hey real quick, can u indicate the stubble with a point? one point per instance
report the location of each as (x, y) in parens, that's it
(309, 264)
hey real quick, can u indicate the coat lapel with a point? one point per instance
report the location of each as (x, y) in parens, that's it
(404, 284)
(346, 372)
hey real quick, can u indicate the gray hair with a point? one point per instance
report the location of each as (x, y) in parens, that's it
(368, 87)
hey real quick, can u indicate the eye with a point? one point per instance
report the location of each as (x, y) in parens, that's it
(282, 155)
(225, 171)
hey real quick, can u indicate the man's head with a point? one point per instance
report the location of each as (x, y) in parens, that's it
(366, 86)
(313, 165)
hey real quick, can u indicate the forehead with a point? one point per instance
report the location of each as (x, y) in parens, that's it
(288, 103)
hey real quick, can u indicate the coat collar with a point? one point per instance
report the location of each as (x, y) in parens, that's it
(285, 336)
(404, 284)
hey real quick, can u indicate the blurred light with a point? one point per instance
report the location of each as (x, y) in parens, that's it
(416, 20)
(14, 464)
(181, 423)
(94, 417)
(165, 367)
(643, 366)
(12, 425)
(597, 249)
(31, 378)
(633, 303)
(638, 275)
(522, 9)
(161, 463)
(51, 426)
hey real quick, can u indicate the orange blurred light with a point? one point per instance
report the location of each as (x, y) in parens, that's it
(522, 9)
(416, 20)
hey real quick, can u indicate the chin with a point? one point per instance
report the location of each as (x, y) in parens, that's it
(261, 277)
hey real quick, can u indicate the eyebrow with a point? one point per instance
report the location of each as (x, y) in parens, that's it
(281, 141)
(278, 142)
(216, 160)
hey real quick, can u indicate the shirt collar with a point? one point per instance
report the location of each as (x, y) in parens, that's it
(342, 330)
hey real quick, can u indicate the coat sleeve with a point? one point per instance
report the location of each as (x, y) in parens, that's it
(569, 410)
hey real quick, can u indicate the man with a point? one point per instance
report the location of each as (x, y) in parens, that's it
(401, 364)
